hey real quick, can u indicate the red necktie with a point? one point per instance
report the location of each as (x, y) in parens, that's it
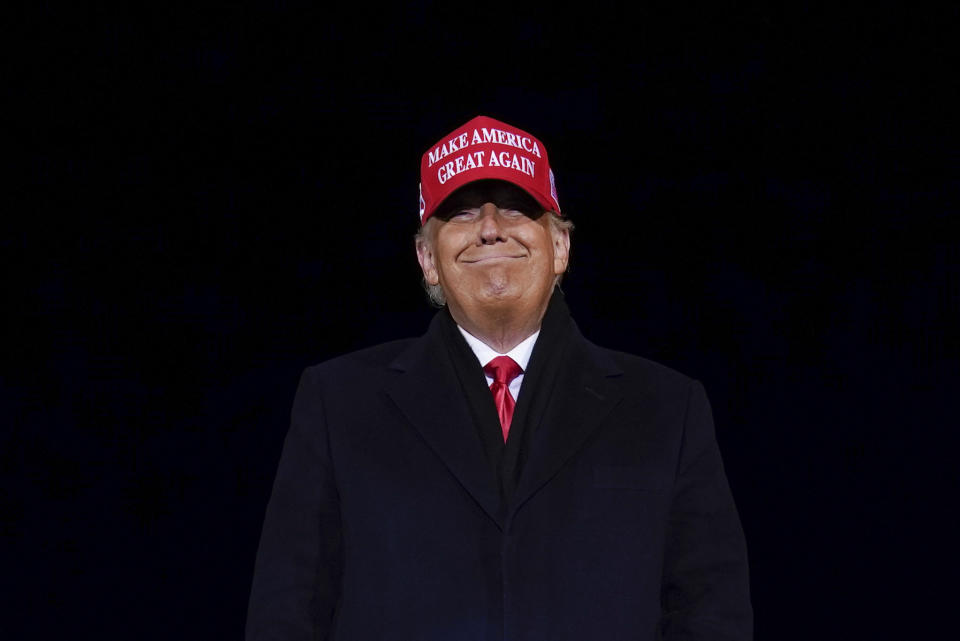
(502, 370)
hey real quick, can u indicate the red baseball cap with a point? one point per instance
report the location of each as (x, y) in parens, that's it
(481, 149)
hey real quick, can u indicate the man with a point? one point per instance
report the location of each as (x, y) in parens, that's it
(500, 477)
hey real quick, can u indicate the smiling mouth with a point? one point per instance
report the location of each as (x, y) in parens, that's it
(484, 259)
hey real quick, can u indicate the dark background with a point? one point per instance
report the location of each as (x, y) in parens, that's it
(208, 199)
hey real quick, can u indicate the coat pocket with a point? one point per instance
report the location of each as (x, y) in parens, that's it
(627, 478)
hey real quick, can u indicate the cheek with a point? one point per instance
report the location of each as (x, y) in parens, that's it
(445, 262)
(543, 245)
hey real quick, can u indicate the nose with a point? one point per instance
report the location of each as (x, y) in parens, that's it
(491, 225)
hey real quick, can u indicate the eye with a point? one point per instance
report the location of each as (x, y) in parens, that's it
(464, 214)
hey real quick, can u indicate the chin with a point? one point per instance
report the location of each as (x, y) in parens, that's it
(498, 299)
(499, 288)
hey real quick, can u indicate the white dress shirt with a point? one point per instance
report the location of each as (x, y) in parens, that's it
(485, 354)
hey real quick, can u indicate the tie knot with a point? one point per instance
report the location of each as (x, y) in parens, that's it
(502, 369)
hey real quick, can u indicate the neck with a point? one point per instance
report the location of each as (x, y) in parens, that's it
(502, 330)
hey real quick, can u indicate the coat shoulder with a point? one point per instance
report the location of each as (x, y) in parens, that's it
(361, 362)
(643, 370)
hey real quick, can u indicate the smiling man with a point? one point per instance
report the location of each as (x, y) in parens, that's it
(500, 477)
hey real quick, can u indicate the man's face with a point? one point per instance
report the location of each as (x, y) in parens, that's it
(492, 249)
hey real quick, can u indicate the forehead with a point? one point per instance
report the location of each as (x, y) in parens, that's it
(502, 194)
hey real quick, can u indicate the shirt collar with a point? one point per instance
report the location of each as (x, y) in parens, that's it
(485, 353)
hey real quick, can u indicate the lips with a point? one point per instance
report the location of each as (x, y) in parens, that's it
(494, 257)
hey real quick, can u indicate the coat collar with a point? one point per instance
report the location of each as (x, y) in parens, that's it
(429, 395)
(586, 391)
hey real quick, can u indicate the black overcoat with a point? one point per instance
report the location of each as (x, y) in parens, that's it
(386, 523)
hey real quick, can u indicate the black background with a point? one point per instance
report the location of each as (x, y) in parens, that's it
(208, 199)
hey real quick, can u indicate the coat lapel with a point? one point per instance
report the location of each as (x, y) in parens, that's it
(428, 393)
(585, 393)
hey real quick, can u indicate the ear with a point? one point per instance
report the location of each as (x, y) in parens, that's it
(425, 257)
(561, 249)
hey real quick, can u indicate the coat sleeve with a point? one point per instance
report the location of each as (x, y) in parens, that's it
(296, 582)
(705, 589)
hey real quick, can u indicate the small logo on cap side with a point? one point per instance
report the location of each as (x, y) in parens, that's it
(553, 189)
(423, 204)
